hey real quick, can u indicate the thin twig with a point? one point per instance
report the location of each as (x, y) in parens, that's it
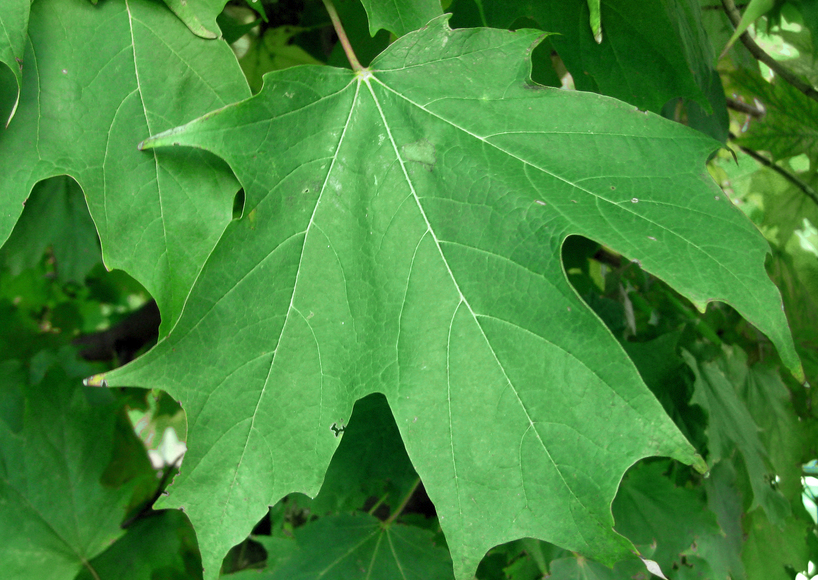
(799, 183)
(147, 508)
(342, 36)
(402, 505)
(378, 503)
(746, 108)
(735, 17)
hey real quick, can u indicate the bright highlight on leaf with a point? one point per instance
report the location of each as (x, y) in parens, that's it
(596, 19)
(13, 25)
(406, 239)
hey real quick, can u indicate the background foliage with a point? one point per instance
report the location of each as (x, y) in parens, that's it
(83, 83)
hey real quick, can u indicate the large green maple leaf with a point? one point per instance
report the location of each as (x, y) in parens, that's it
(83, 108)
(402, 235)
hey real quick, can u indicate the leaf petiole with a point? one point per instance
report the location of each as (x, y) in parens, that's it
(398, 510)
(342, 36)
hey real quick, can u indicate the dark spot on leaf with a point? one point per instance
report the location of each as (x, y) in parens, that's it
(421, 152)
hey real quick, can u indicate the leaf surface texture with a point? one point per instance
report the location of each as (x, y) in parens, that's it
(402, 235)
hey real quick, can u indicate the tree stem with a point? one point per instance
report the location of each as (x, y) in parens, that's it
(758, 53)
(342, 36)
(397, 511)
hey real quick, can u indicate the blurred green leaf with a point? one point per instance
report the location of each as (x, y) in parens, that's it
(55, 514)
(731, 428)
(361, 546)
(400, 16)
(670, 56)
(273, 51)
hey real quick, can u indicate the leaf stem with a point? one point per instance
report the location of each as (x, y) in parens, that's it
(398, 510)
(758, 53)
(342, 36)
(378, 503)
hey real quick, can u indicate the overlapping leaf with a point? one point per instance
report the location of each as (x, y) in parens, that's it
(56, 217)
(13, 26)
(789, 126)
(84, 107)
(198, 15)
(651, 52)
(732, 429)
(400, 16)
(401, 235)
(161, 546)
(361, 546)
(56, 512)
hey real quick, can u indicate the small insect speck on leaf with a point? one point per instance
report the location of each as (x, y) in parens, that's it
(574, 201)
(651, 238)
(64, 71)
(635, 200)
(540, 202)
(569, 309)
(717, 198)
(613, 188)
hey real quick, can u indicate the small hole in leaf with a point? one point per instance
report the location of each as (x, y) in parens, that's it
(238, 204)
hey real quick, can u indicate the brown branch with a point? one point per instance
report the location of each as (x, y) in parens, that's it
(746, 108)
(124, 339)
(799, 183)
(758, 53)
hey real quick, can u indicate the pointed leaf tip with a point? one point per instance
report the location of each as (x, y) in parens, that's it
(97, 380)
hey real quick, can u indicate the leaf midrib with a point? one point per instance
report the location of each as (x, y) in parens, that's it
(463, 300)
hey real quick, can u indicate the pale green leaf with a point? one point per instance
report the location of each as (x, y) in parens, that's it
(726, 501)
(653, 513)
(408, 243)
(770, 550)
(85, 106)
(731, 427)
(198, 15)
(13, 28)
(755, 9)
(400, 16)
(790, 123)
(272, 51)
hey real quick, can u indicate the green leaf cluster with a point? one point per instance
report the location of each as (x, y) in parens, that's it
(493, 290)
